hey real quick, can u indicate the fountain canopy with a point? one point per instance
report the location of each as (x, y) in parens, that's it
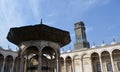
(17, 35)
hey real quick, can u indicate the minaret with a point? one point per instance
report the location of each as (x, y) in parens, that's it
(81, 40)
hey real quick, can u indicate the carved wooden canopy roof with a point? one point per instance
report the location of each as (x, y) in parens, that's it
(38, 32)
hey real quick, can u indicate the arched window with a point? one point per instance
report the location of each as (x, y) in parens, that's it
(109, 67)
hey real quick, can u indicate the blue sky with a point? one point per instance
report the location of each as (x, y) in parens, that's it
(101, 17)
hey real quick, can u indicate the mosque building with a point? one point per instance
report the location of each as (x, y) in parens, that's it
(104, 58)
(40, 53)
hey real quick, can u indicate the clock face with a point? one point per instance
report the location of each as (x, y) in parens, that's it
(78, 32)
(77, 25)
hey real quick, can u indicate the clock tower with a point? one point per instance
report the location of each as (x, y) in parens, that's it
(81, 39)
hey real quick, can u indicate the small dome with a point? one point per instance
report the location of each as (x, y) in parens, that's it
(103, 44)
(113, 42)
(93, 46)
(68, 50)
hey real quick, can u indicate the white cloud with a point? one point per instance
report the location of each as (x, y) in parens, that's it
(10, 17)
(34, 5)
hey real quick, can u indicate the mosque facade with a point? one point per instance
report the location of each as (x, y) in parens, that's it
(104, 58)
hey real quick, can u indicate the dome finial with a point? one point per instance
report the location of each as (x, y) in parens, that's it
(94, 43)
(103, 42)
(113, 39)
(41, 22)
(114, 42)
